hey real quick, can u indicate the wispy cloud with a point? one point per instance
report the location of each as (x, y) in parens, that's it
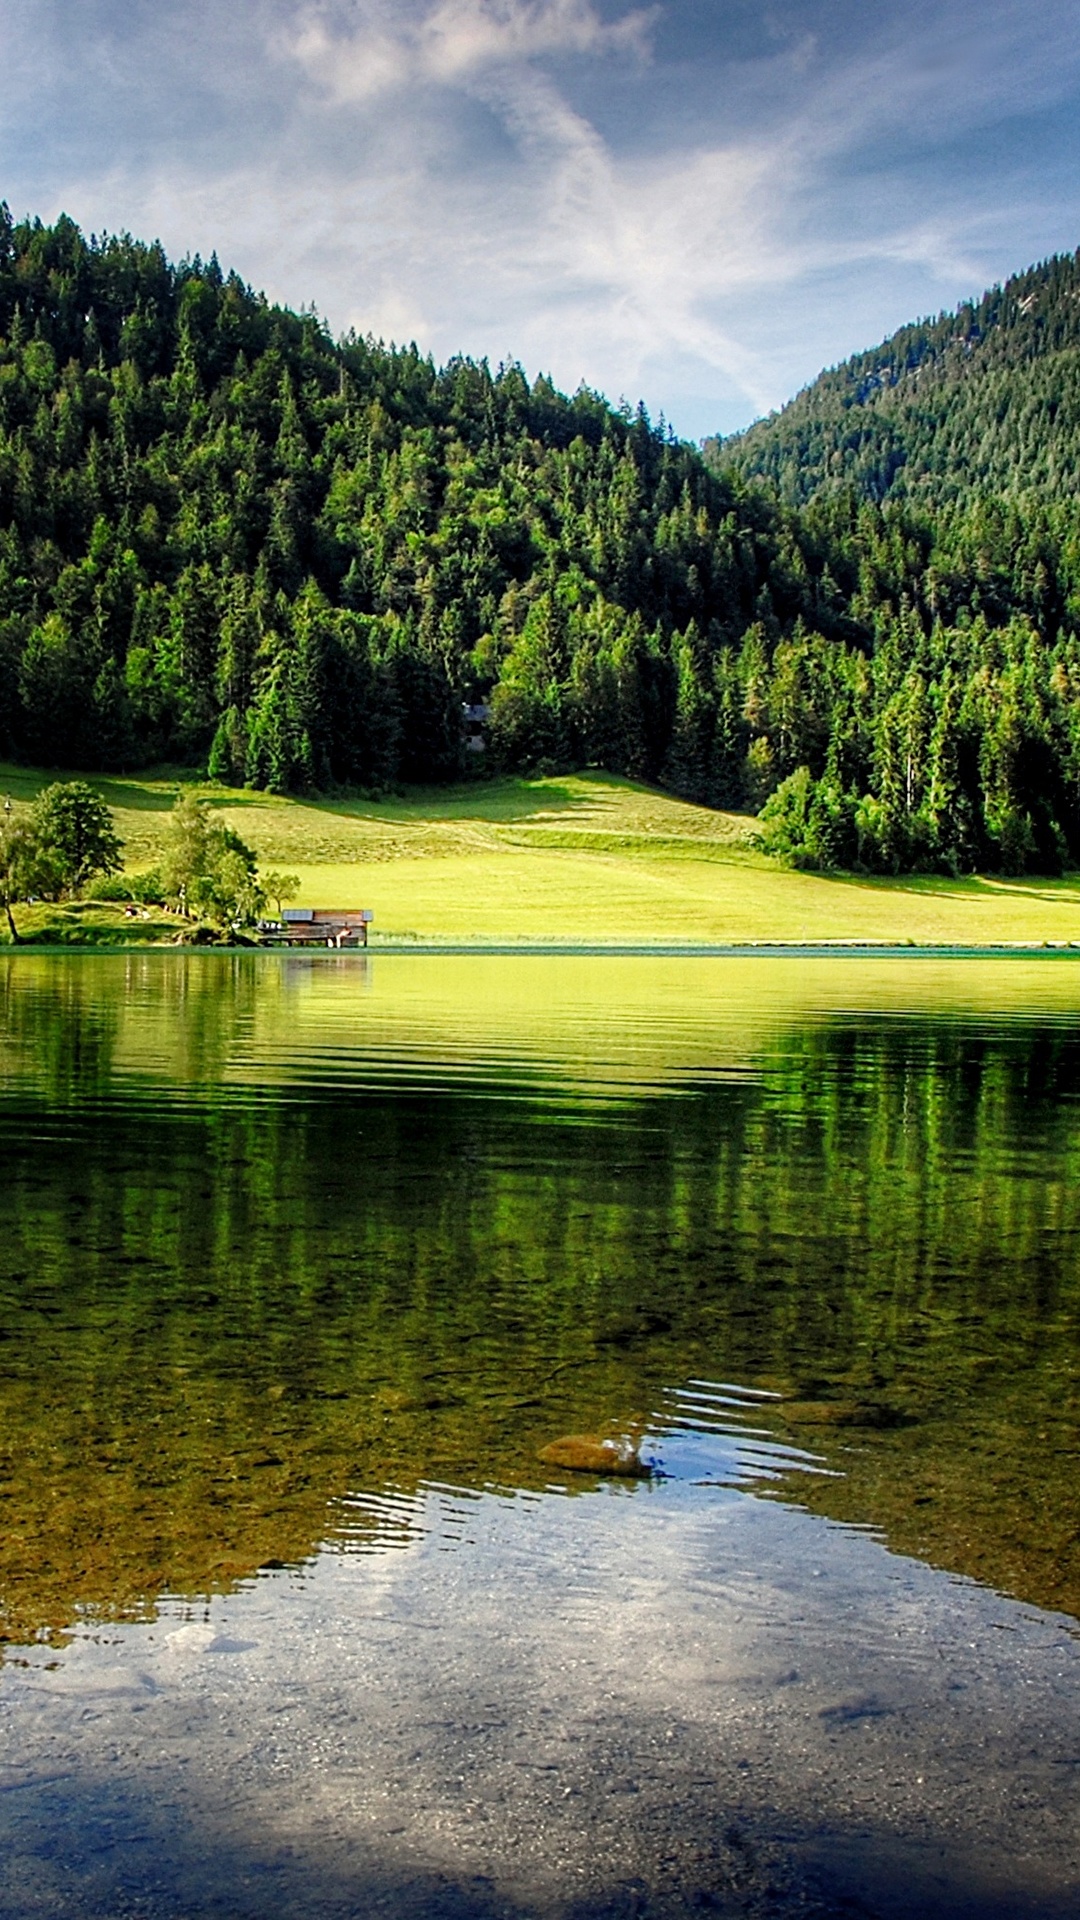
(372, 47)
(697, 204)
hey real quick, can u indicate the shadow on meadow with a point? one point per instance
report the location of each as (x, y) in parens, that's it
(967, 887)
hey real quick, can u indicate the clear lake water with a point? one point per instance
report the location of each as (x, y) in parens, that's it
(304, 1262)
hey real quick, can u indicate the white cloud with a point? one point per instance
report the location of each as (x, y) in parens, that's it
(374, 47)
(602, 264)
(627, 250)
(502, 177)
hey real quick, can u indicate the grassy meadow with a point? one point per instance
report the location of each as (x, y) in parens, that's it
(579, 857)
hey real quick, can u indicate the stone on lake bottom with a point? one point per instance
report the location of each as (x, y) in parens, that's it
(587, 1453)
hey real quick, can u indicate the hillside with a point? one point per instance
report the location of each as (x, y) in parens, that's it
(224, 534)
(576, 859)
(229, 541)
(985, 400)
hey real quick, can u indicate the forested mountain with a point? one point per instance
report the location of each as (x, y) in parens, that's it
(226, 537)
(959, 440)
(222, 533)
(985, 400)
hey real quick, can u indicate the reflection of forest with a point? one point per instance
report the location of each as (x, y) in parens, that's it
(220, 1314)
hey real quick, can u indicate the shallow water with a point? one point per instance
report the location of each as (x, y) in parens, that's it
(304, 1260)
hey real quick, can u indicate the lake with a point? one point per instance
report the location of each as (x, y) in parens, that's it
(304, 1262)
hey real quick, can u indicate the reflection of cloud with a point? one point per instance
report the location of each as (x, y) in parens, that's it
(375, 47)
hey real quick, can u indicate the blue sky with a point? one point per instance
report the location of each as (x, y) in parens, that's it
(698, 202)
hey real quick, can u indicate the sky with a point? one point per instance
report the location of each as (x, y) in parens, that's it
(698, 203)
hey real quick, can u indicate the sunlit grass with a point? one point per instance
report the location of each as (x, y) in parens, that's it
(582, 857)
(92, 923)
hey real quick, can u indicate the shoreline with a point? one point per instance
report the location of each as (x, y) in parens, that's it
(569, 949)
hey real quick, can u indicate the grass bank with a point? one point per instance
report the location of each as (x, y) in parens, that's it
(584, 857)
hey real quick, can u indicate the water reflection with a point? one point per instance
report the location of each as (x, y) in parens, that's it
(282, 1250)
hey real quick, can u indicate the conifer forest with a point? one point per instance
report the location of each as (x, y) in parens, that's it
(229, 540)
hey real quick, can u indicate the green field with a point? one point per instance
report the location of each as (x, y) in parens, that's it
(582, 857)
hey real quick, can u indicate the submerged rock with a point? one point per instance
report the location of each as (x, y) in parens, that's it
(590, 1453)
(624, 1331)
(842, 1413)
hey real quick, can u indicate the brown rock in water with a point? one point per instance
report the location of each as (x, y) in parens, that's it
(587, 1453)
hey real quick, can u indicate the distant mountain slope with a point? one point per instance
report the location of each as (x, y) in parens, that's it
(986, 399)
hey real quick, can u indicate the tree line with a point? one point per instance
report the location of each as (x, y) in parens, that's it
(227, 540)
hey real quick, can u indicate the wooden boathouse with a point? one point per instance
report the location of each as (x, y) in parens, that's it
(318, 927)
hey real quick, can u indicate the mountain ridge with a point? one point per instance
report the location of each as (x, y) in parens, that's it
(899, 420)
